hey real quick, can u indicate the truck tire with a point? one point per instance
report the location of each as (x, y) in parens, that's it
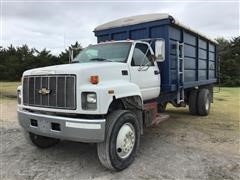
(204, 102)
(162, 107)
(122, 138)
(42, 141)
(192, 102)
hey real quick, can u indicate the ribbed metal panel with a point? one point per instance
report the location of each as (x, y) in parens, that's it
(61, 87)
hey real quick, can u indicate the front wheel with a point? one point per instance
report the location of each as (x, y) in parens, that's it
(122, 139)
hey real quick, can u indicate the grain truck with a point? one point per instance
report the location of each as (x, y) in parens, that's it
(114, 89)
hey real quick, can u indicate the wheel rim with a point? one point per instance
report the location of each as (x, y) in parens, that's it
(125, 140)
(207, 104)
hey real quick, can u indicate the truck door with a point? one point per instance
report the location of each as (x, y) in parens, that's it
(144, 71)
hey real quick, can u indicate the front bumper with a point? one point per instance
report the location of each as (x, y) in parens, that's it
(74, 129)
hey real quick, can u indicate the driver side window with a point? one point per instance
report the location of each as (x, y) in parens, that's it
(141, 55)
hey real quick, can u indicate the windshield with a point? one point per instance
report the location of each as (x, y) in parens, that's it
(113, 52)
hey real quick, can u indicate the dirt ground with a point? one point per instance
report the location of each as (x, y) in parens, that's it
(183, 147)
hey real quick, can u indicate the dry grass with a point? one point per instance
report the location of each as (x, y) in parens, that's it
(226, 106)
(221, 127)
(8, 89)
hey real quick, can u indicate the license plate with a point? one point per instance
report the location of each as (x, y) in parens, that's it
(43, 126)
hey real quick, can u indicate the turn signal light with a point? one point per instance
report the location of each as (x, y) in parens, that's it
(94, 79)
(110, 91)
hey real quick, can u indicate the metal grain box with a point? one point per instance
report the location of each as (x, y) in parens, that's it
(199, 50)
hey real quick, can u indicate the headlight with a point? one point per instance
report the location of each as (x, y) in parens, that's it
(89, 101)
(92, 98)
(19, 94)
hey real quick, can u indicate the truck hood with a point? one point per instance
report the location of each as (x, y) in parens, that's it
(105, 70)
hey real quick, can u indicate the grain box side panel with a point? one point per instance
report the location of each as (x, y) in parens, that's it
(174, 37)
(202, 59)
(212, 61)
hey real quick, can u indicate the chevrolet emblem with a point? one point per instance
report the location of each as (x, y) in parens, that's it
(44, 91)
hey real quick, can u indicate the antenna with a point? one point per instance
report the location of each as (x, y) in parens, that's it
(64, 40)
(70, 50)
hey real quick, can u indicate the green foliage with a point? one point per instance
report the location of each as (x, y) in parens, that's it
(15, 60)
(229, 53)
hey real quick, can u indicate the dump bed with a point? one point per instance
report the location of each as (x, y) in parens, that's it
(199, 50)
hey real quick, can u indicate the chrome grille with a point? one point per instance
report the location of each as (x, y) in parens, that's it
(53, 91)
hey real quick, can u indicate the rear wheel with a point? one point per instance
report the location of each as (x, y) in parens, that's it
(42, 141)
(192, 102)
(204, 102)
(122, 139)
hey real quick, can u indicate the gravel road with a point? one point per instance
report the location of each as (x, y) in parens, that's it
(179, 148)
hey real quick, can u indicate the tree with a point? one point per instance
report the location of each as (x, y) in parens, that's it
(229, 53)
(15, 60)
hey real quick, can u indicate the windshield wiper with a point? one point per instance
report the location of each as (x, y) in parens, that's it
(75, 62)
(100, 59)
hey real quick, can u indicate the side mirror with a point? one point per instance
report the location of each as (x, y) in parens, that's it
(160, 50)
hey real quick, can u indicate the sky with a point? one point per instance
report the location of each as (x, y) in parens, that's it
(54, 24)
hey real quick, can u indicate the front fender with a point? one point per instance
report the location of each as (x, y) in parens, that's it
(120, 89)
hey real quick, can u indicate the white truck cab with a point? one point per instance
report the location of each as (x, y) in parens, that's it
(98, 98)
(139, 66)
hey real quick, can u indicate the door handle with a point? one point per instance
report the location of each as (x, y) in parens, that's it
(156, 72)
(124, 72)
